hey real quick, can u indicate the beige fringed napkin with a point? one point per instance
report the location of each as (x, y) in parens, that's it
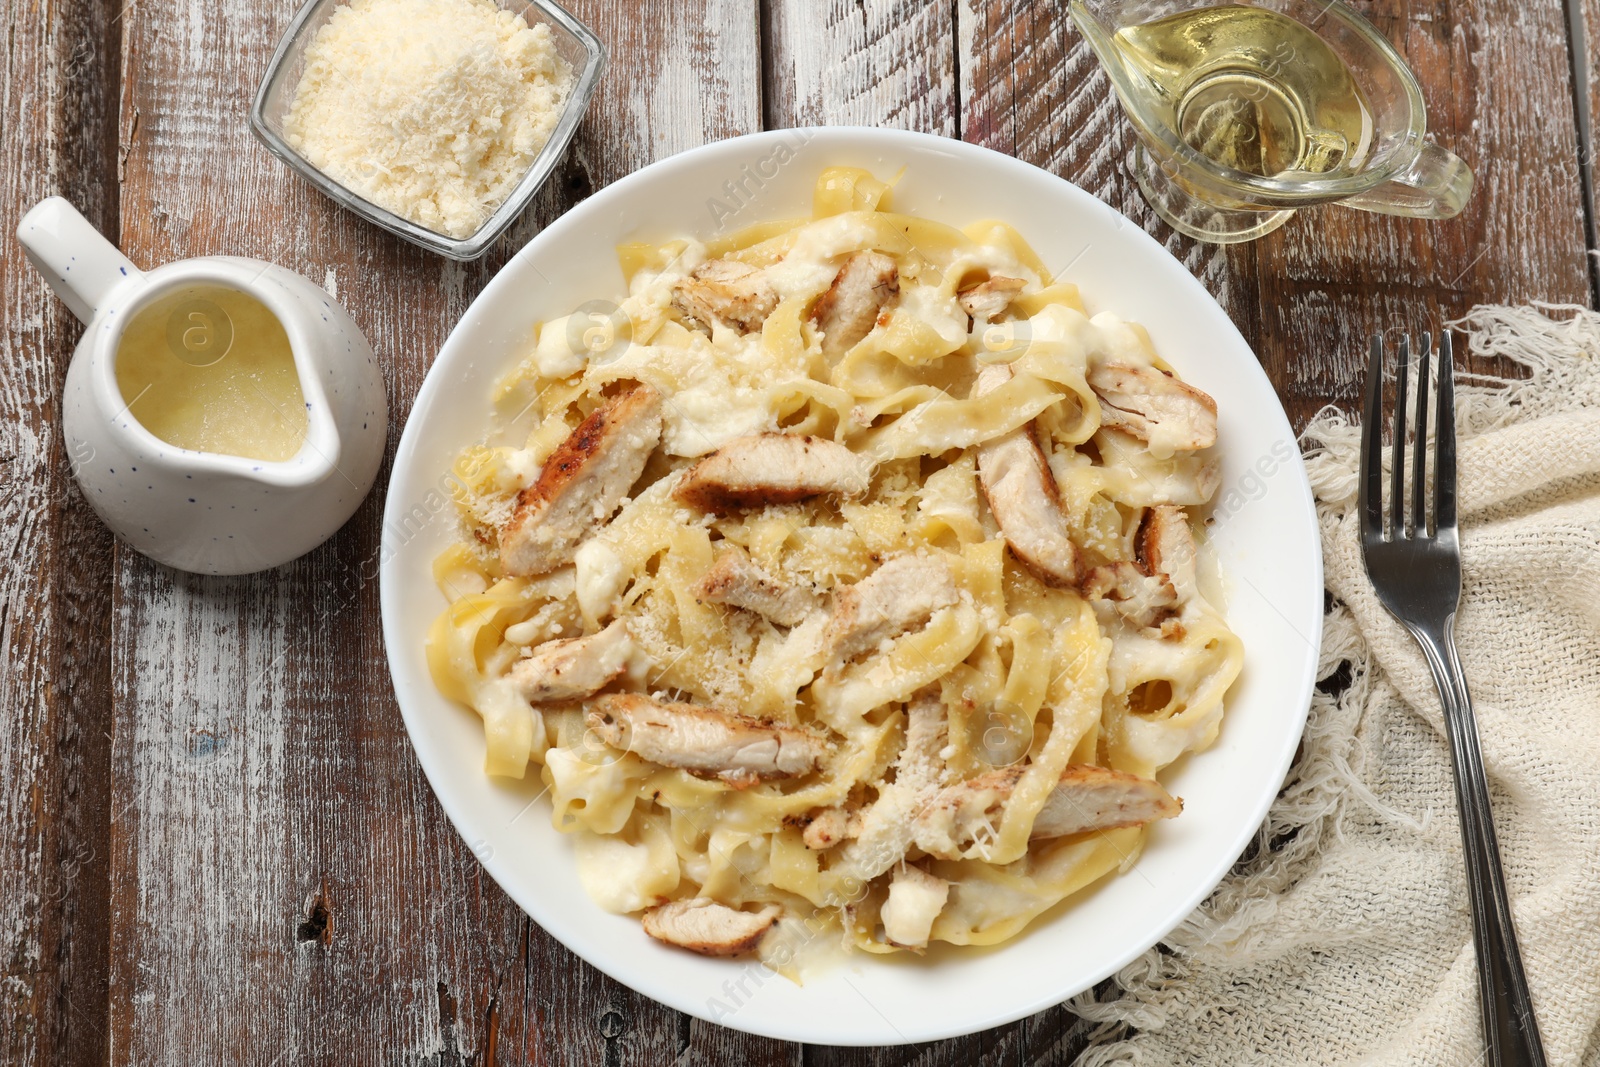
(1348, 942)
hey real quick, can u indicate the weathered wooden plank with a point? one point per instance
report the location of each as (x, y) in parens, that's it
(218, 681)
(310, 785)
(58, 137)
(1000, 1047)
(1583, 30)
(861, 63)
(1498, 93)
(286, 882)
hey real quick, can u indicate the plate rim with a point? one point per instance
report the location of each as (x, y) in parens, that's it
(390, 555)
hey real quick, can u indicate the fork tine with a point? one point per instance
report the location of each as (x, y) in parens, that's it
(1397, 470)
(1444, 460)
(1372, 445)
(1419, 454)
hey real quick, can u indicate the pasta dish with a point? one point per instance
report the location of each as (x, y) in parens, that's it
(840, 582)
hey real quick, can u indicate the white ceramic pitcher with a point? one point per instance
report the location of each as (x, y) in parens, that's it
(203, 511)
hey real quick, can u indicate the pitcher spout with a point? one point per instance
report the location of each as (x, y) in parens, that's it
(1097, 30)
(315, 462)
(1098, 22)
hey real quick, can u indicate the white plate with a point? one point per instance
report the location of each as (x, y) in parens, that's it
(1265, 535)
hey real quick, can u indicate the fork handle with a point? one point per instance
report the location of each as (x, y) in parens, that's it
(1511, 1033)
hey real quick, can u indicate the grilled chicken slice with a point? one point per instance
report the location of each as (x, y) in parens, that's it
(1146, 601)
(887, 828)
(772, 468)
(899, 596)
(1023, 496)
(582, 483)
(1166, 546)
(988, 300)
(728, 292)
(709, 928)
(1151, 592)
(737, 581)
(850, 308)
(704, 741)
(1087, 798)
(830, 826)
(1099, 798)
(915, 900)
(927, 732)
(574, 669)
(1168, 414)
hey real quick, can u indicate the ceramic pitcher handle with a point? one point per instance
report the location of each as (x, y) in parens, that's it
(1436, 186)
(81, 266)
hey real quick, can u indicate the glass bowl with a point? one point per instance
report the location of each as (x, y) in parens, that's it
(574, 42)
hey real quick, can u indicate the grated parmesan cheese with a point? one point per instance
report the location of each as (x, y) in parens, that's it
(431, 109)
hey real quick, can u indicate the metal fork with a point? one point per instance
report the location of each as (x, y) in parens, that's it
(1415, 566)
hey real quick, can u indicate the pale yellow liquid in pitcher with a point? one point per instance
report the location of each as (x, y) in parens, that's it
(210, 369)
(1253, 90)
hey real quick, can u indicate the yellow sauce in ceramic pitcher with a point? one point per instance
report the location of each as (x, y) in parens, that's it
(210, 369)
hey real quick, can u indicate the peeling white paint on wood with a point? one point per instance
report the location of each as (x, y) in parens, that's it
(53, 589)
(863, 63)
(290, 882)
(203, 681)
(280, 878)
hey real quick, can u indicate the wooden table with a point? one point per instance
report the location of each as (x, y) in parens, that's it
(217, 844)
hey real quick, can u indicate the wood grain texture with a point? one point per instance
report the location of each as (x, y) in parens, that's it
(861, 63)
(57, 136)
(286, 888)
(1583, 45)
(1498, 93)
(217, 845)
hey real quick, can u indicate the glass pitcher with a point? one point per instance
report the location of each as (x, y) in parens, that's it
(1249, 111)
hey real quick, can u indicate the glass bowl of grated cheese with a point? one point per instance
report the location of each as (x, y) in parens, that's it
(438, 120)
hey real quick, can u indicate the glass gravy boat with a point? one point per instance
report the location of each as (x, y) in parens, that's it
(1203, 114)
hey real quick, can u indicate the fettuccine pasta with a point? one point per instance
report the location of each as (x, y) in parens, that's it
(839, 582)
